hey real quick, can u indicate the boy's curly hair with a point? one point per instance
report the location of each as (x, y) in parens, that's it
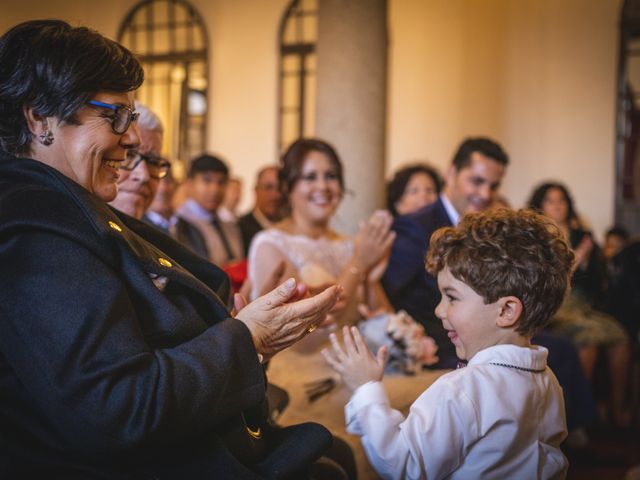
(503, 252)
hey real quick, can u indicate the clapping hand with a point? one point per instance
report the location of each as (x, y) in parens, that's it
(373, 243)
(277, 320)
(354, 362)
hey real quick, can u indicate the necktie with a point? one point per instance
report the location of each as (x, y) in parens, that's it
(225, 242)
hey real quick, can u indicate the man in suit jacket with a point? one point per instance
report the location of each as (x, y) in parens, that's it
(266, 211)
(208, 176)
(472, 181)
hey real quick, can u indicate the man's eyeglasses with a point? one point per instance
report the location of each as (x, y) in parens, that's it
(122, 118)
(158, 167)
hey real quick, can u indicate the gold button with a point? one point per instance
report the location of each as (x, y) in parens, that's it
(257, 433)
(115, 226)
(164, 262)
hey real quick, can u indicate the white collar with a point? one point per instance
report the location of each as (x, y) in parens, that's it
(192, 210)
(452, 213)
(533, 357)
(262, 219)
(158, 219)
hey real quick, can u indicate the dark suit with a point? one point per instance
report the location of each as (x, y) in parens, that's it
(408, 285)
(185, 233)
(105, 373)
(249, 226)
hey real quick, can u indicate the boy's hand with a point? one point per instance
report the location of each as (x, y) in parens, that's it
(354, 362)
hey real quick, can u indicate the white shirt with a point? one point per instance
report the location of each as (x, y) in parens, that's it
(192, 212)
(452, 213)
(162, 222)
(481, 421)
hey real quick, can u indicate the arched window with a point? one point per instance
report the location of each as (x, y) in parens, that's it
(297, 83)
(170, 40)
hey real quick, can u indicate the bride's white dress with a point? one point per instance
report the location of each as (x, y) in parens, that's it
(318, 262)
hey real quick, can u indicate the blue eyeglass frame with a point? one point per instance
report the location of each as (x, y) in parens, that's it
(131, 117)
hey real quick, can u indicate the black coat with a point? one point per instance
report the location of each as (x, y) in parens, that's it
(103, 374)
(249, 227)
(407, 283)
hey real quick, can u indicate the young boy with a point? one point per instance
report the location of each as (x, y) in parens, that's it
(502, 274)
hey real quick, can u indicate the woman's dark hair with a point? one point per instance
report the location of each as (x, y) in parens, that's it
(398, 184)
(293, 159)
(55, 68)
(537, 197)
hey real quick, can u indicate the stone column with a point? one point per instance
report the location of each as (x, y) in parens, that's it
(351, 99)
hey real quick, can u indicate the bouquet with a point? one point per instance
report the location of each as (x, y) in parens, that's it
(410, 348)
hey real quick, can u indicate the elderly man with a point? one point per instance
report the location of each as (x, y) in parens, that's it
(267, 207)
(137, 184)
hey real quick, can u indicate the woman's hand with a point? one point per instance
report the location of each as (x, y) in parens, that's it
(373, 243)
(355, 363)
(278, 319)
(377, 271)
(583, 252)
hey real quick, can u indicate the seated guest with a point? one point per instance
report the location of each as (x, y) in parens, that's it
(117, 357)
(139, 180)
(266, 211)
(471, 184)
(502, 274)
(615, 240)
(580, 317)
(228, 211)
(217, 240)
(161, 214)
(624, 288)
(412, 188)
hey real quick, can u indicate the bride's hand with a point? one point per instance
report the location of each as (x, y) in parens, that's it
(373, 242)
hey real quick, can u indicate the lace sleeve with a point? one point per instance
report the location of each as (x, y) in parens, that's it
(270, 237)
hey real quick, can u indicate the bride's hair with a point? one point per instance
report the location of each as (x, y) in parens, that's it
(292, 163)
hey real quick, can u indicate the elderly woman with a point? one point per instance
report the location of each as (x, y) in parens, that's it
(117, 357)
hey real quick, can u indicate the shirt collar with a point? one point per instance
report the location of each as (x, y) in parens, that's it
(452, 213)
(158, 219)
(533, 357)
(262, 219)
(192, 209)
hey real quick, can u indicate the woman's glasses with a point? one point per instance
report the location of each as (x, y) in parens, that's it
(158, 167)
(122, 117)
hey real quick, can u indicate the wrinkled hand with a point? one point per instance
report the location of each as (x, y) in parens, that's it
(279, 319)
(337, 308)
(355, 363)
(373, 242)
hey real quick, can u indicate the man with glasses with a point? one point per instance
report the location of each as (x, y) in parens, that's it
(140, 173)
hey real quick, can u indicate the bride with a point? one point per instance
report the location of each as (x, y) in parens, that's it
(312, 182)
(304, 246)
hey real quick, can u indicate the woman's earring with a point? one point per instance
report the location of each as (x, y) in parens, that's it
(46, 138)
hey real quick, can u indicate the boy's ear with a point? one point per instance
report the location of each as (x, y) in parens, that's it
(510, 311)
